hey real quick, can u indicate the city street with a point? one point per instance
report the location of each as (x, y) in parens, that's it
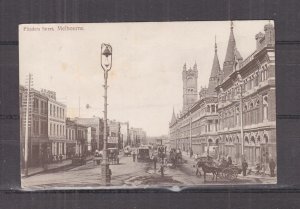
(127, 174)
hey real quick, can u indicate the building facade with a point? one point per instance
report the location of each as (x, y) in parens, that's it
(125, 137)
(56, 125)
(71, 138)
(137, 137)
(96, 123)
(195, 128)
(38, 140)
(81, 140)
(114, 134)
(236, 114)
(248, 86)
(91, 139)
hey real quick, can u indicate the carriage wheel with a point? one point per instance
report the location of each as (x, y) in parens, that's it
(223, 174)
(231, 174)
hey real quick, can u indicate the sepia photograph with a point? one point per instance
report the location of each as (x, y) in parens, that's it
(147, 104)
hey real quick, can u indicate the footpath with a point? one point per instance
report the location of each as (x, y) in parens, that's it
(50, 167)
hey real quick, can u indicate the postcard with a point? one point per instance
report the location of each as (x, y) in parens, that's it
(147, 105)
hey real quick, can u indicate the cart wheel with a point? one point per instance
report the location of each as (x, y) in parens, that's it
(231, 175)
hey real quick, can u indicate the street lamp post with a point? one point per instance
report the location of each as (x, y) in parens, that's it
(106, 64)
(190, 133)
(240, 82)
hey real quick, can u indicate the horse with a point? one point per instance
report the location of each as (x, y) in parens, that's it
(207, 167)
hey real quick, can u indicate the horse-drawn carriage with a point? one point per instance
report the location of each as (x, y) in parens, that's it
(113, 155)
(221, 170)
(175, 157)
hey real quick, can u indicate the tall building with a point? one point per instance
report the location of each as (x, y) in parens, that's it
(114, 134)
(56, 124)
(96, 123)
(190, 94)
(255, 76)
(243, 89)
(71, 138)
(125, 137)
(38, 140)
(137, 137)
(91, 139)
(196, 128)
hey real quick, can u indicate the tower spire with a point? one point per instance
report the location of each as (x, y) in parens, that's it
(230, 53)
(216, 44)
(214, 74)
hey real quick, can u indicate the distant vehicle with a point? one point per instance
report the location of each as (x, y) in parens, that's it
(143, 153)
(79, 160)
(98, 157)
(127, 151)
(113, 155)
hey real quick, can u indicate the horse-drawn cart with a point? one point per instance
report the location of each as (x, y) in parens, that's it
(220, 170)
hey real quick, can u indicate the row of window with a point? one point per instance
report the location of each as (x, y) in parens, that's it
(39, 106)
(57, 129)
(70, 134)
(249, 83)
(58, 148)
(57, 111)
(40, 127)
(251, 115)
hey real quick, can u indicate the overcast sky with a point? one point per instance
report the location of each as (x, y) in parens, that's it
(145, 82)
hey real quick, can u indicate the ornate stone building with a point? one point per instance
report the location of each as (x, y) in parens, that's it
(196, 127)
(213, 123)
(255, 77)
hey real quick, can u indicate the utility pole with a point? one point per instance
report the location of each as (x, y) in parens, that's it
(28, 100)
(190, 132)
(240, 80)
(241, 118)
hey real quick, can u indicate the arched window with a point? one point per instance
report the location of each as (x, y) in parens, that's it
(266, 138)
(252, 140)
(213, 108)
(258, 140)
(208, 108)
(246, 140)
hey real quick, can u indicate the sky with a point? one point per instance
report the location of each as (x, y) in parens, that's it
(145, 82)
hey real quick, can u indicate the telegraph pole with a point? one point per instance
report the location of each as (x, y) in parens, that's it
(240, 80)
(190, 132)
(27, 125)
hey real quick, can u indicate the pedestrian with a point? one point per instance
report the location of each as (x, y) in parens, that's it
(60, 158)
(244, 167)
(154, 161)
(229, 162)
(133, 156)
(272, 166)
(162, 170)
(191, 153)
(109, 174)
